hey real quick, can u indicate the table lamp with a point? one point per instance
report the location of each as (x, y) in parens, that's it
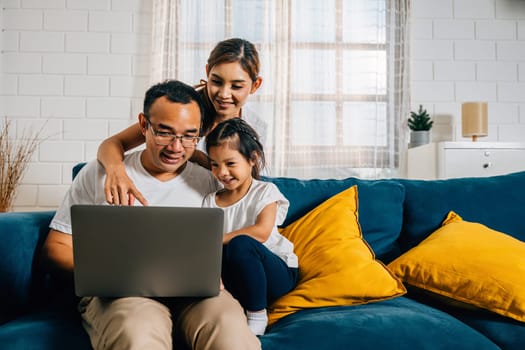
(474, 120)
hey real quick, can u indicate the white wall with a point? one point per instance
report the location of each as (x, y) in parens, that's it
(82, 66)
(78, 67)
(470, 50)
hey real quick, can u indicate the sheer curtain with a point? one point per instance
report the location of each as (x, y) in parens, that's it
(335, 94)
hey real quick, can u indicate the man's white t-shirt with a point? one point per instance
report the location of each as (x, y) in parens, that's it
(185, 190)
(244, 213)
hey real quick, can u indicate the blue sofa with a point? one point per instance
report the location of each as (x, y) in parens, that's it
(395, 215)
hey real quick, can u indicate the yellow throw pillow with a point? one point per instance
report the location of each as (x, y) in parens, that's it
(470, 263)
(336, 266)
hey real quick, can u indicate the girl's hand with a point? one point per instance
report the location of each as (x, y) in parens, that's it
(120, 189)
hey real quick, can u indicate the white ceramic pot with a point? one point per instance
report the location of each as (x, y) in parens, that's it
(419, 138)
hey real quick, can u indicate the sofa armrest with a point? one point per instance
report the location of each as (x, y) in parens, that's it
(21, 280)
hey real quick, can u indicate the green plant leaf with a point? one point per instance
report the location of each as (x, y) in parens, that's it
(420, 120)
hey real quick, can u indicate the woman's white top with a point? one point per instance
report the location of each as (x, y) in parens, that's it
(244, 213)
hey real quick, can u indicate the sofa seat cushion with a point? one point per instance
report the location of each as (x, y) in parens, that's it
(45, 330)
(380, 207)
(507, 333)
(496, 202)
(399, 323)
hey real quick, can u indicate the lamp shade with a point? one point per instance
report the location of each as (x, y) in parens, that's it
(474, 119)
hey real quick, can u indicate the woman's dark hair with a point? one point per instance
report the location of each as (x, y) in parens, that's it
(236, 50)
(175, 91)
(228, 51)
(242, 137)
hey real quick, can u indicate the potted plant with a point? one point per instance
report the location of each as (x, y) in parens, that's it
(14, 159)
(419, 124)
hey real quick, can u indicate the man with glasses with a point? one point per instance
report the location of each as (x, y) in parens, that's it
(170, 122)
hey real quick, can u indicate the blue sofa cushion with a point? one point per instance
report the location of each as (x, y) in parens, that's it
(76, 168)
(507, 333)
(399, 323)
(21, 235)
(45, 330)
(380, 206)
(427, 203)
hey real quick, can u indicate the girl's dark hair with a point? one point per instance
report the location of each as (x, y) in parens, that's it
(175, 91)
(241, 137)
(228, 51)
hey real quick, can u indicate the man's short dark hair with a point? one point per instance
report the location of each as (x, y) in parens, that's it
(175, 91)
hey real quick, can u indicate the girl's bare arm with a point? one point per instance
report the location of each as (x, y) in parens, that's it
(262, 228)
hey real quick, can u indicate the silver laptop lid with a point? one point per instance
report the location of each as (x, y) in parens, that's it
(146, 251)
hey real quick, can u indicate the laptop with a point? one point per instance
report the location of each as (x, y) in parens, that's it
(122, 251)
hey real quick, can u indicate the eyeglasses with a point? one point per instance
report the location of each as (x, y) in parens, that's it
(165, 138)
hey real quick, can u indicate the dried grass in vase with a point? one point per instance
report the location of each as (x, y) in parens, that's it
(14, 159)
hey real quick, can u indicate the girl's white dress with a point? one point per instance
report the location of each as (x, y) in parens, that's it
(244, 213)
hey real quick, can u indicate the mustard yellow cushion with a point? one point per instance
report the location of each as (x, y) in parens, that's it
(336, 266)
(470, 263)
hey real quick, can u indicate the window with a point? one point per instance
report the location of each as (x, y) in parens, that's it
(335, 78)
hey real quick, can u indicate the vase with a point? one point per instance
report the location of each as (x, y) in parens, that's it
(419, 138)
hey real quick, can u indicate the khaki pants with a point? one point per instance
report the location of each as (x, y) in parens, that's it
(142, 323)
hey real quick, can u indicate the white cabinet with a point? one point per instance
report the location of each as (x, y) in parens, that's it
(444, 160)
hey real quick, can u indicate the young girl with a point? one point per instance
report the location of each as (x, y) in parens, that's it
(233, 74)
(259, 264)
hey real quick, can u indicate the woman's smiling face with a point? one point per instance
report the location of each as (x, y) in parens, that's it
(228, 88)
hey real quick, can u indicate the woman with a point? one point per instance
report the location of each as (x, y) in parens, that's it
(232, 71)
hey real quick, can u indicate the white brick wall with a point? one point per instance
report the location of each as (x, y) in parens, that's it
(81, 67)
(78, 69)
(470, 50)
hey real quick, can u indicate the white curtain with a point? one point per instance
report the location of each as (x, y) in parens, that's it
(335, 94)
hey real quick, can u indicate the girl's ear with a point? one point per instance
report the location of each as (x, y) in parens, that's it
(207, 70)
(254, 158)
(256, 84)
